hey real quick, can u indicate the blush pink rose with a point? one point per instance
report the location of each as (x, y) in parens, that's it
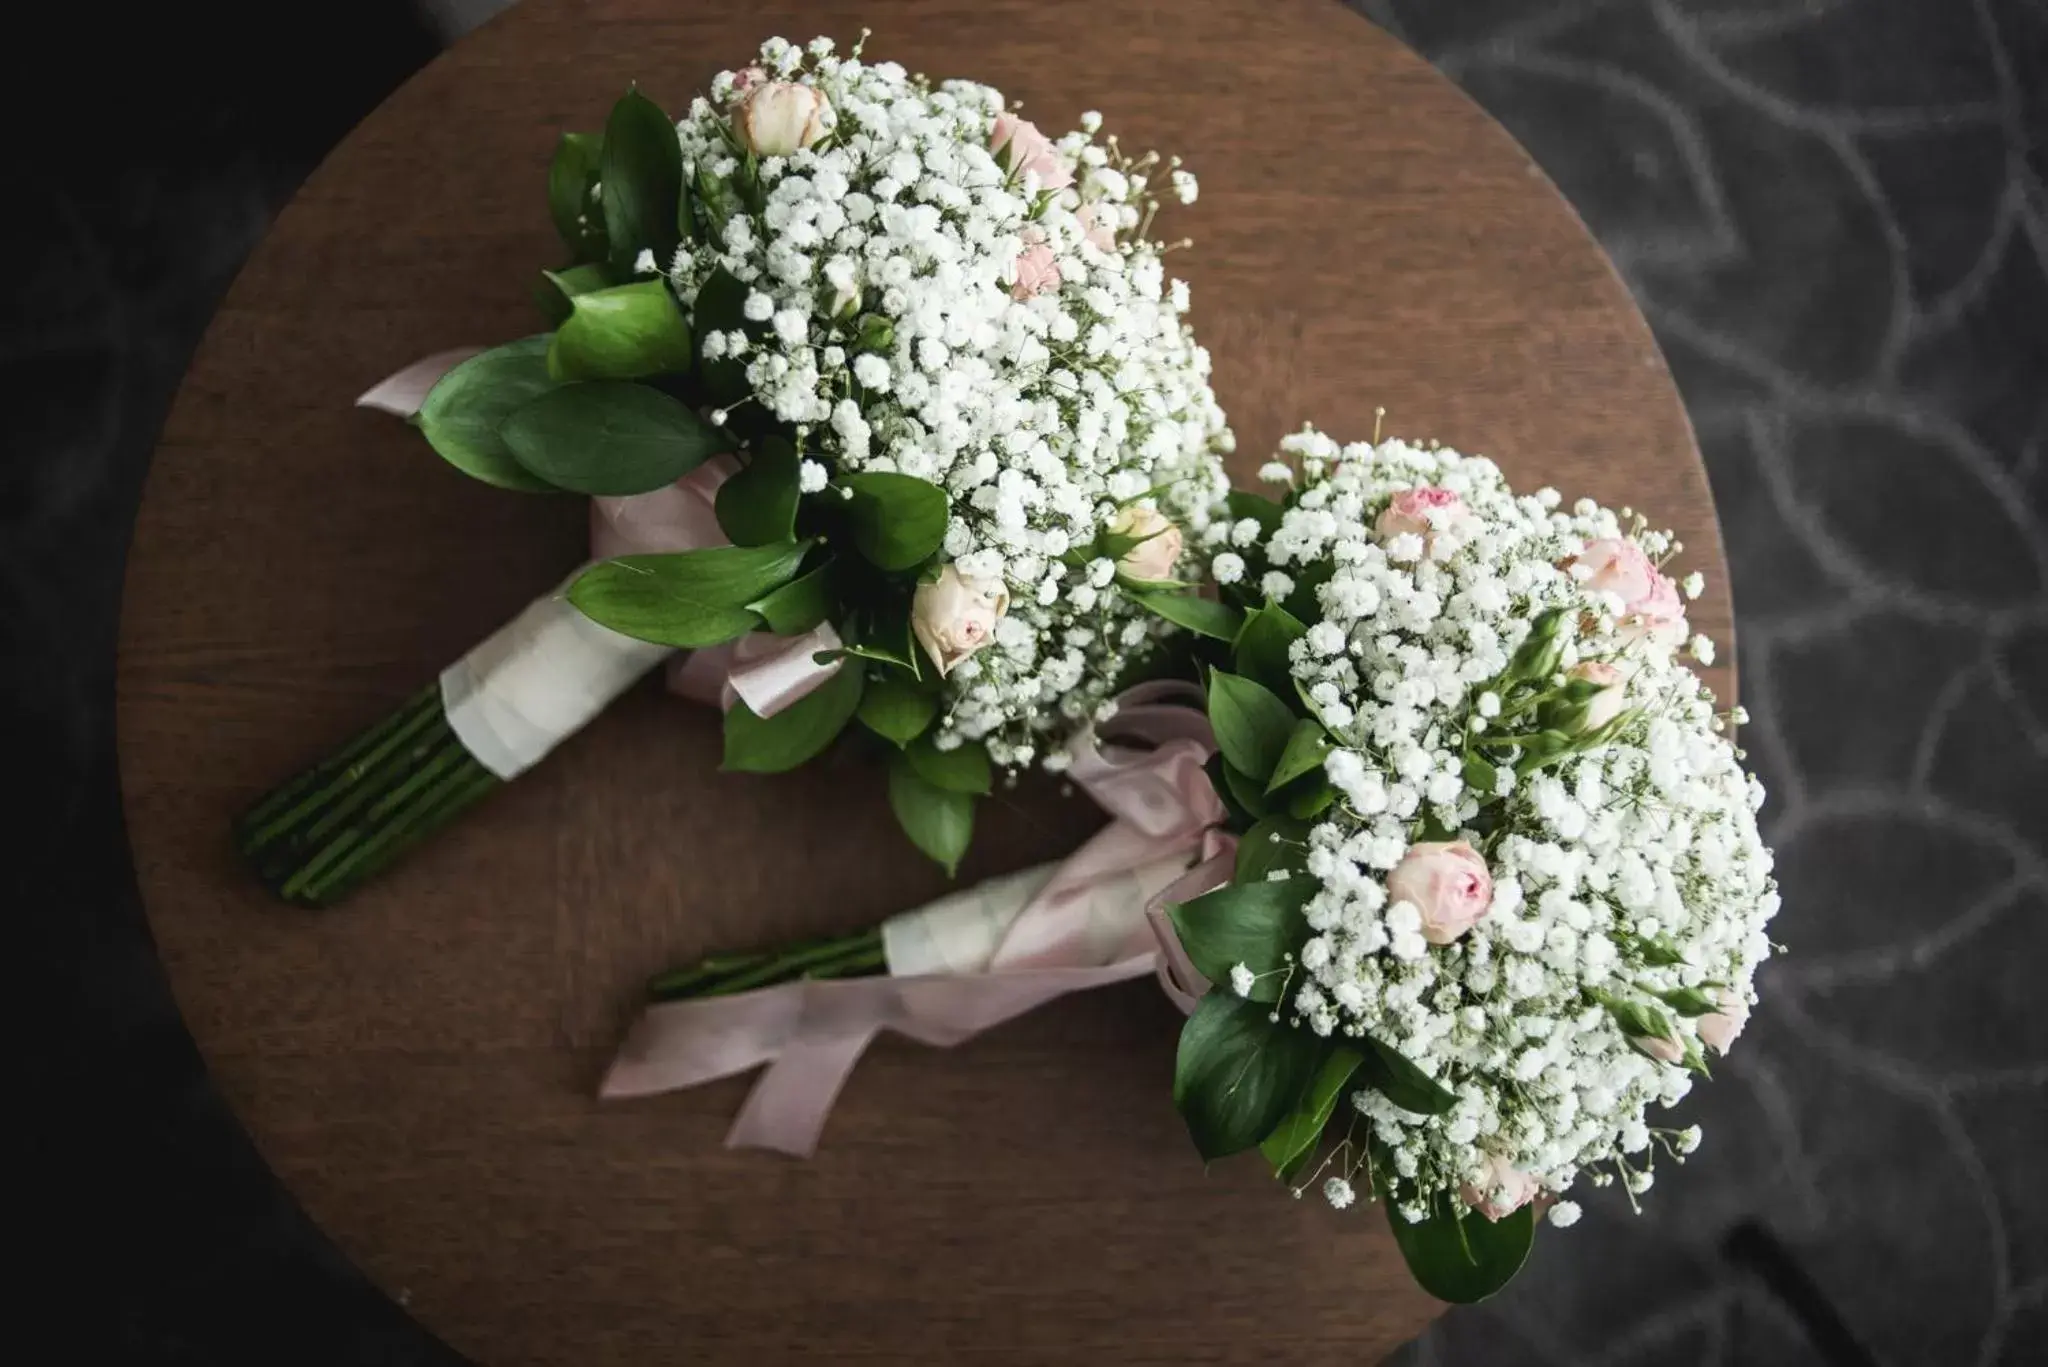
(1662, 1048)
(1420, 512)
(1651, 609)
(1098, 225)
(1604, 706)
(954, 616)
(1718, 1029)
(1038, 271)
(745, 79)
(1155, 556)
(1019, 145)
(1501, 1190)
(1448, 882)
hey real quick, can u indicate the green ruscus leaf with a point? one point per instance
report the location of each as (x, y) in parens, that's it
(1306, 746)
(896, 710)
(1459, 1255)
(774, 745)
(1393, 1075)
(757, 506)
(938, 821)
(1261, 650)
(622, 333)
(799, 605)
(1255, 924)
(962, 769)
(1203, 616)
(578, 219)
(1238, 1073)
(462, 413)
(898, 520)
(1252, 724)
(641, 179)
(556, 291)
(1274, 843)
(608, 437)
(1293, 1142)
(689, 599)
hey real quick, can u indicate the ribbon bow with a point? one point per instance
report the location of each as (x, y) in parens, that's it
(981, 956)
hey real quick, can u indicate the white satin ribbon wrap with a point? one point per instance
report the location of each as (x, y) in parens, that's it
(548, 672)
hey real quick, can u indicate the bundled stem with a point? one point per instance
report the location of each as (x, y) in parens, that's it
(314, 838)
(858, 955)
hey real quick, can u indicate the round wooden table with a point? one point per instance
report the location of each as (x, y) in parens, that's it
(418, 1066)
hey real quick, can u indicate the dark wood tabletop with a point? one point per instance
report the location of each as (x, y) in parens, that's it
(419, 1065)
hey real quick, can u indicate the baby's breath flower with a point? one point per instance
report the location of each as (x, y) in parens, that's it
(1442, 642)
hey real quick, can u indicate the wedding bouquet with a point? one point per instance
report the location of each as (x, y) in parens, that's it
(889, 414)
(1496, 889)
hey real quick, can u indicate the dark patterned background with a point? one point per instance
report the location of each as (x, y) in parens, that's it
(1834, 214)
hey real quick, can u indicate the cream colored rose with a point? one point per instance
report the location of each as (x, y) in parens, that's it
(954, 616)
(1155, 556)
(1662, 1048)
(779, 117)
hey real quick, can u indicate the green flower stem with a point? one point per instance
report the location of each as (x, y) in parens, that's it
(846, 956)
(321, 834)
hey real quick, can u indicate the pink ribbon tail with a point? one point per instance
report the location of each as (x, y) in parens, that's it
(1099, 918)
(402, 394)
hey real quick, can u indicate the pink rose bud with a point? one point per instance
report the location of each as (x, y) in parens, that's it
(1156, 555)
(1609, 703)
(1098, 225)
(1651, 609)
(1448, 882)
(779, 117)
(1718, 1029)
(745, 79)
(1501, 1189)
(1662, 1048)
(1038, 272)
(954, 616)
(1019, 146)
(1421, 512)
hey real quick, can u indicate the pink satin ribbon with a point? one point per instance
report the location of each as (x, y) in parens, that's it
(766, 671)
(810, 1034)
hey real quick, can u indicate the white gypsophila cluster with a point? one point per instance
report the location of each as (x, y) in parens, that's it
(1629, 868)
(1037, 364)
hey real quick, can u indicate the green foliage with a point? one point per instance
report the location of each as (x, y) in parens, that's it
(689, 599)
(1462, 1257)
(1259, 925)
(1261, 650)
(1252, 724)
(622, 332)
(463, 412)
(1238, 1073)
(640, 171)
(777, 744)
(897, 711)
(798, 606)
(571, 175)
(938, 820)
(1292, 1143)
(757, 506)
(898, 521)
(1203, 616)
(962, 769)
(608, 437)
